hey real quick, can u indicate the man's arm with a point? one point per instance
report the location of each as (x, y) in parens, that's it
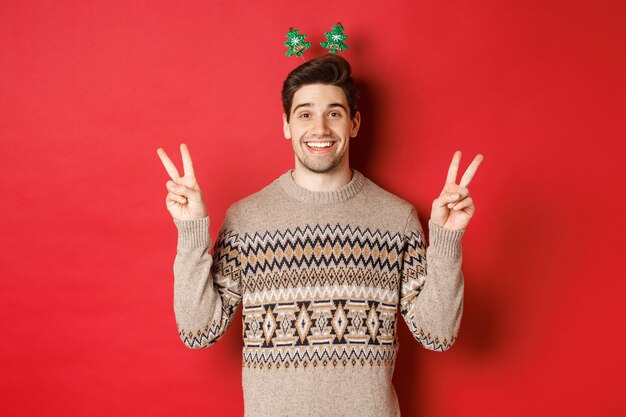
(206, 287)
(431, 299)
(435, 316)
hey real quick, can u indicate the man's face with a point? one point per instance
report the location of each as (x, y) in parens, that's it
(320, 128)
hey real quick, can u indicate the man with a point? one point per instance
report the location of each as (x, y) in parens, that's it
(321, 259)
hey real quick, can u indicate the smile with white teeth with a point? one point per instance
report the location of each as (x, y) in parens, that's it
(319, 144)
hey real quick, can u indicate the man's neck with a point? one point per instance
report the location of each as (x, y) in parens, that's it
(313, 181)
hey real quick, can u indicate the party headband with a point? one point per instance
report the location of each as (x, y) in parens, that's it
(334, 41)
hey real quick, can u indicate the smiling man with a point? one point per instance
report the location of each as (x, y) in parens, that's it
(322, 261)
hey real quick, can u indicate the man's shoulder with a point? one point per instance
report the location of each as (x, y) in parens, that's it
(379, 197)
(264, 198)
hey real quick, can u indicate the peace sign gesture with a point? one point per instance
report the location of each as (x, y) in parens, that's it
(184, 200)
(454, 208)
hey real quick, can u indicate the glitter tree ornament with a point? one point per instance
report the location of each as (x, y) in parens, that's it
(295, 42)
(335, 38)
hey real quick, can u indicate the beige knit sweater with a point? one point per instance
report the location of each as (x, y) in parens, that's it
(321, 276)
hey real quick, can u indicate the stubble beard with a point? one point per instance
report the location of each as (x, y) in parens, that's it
(324, 169)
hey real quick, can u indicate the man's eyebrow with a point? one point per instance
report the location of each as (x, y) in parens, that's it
(301, 105)
(337, 105)
(311, 104)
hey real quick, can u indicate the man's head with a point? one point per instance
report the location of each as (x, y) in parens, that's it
(320, 116)
(330, 69)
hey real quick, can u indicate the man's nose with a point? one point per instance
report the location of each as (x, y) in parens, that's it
(321, 127)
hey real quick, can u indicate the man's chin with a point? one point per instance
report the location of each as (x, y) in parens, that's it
(320, 168)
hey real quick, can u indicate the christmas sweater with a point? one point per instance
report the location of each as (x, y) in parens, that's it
(321, 277)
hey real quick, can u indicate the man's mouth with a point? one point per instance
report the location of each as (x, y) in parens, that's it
(319, 145)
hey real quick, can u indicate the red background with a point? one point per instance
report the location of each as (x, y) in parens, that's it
(90, 89)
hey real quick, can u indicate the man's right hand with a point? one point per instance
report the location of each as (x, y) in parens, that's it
(184, 199)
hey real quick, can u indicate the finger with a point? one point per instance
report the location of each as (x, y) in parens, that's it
(171, 186)
(466, 202)
(182, 190)
(445, 199)
(449, 197)
(471, 171)
(455, 188)
(462, 192)
(187, 164)
(454, 168)
(168, 164)
(175, 198)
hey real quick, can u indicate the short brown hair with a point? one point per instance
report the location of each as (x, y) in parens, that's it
(330, 69)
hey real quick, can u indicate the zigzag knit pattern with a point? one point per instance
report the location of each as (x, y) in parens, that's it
(320, 247)
(320, 356)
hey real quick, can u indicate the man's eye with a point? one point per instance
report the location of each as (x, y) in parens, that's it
(304, 115)
(334, 114)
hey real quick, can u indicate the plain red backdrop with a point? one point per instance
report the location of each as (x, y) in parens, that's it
(90, 89)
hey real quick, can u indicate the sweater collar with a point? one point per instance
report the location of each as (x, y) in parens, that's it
(322, 197)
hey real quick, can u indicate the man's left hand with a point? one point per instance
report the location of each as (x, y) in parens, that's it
(454, 207)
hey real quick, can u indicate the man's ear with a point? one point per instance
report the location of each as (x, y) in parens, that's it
(286, 130)
(356, 123)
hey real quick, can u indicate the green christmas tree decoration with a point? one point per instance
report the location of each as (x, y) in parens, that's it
(335, 38)
(295, 42)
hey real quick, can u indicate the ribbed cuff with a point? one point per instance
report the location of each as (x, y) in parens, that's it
(444, 243)
(193, 233)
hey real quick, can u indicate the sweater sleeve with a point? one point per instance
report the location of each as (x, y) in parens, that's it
(431, 298)
(207, 286)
